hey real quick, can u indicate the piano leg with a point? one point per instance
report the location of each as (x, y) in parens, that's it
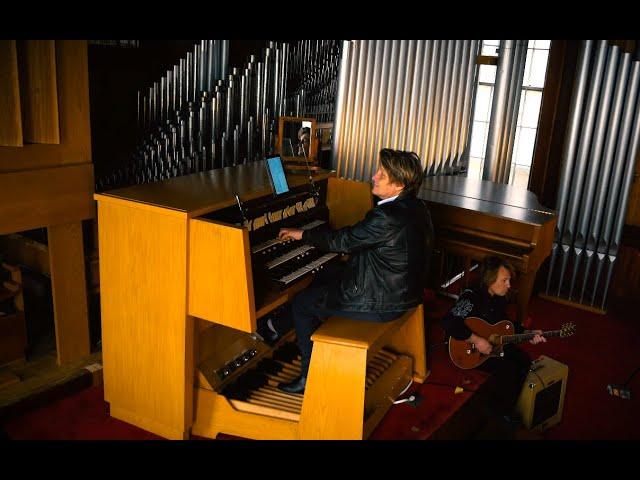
(467, 271)
(525, 287)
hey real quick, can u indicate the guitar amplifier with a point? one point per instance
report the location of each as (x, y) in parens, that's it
(542, 397)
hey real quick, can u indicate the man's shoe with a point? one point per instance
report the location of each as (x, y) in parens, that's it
(294, 386)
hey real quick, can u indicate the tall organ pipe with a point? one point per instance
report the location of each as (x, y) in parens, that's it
(595, 181)
(198, 116)
(408, 95)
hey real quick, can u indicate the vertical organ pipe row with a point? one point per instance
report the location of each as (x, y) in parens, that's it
(598, 158)
(220, 118)
(312, 73)
(403, 94)
(504, 110)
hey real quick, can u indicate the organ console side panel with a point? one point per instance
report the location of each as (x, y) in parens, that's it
(348, 201)
(147, 338)
(39, 96)
(409, 340)
(11, 119)
(229, 300)
(322, 417)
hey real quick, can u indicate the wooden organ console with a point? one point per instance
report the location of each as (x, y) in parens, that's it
(190, 269)
(477, 218)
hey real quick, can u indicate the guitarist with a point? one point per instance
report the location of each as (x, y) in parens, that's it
(488, 302)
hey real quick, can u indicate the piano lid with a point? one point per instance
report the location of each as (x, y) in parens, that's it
(496, 199)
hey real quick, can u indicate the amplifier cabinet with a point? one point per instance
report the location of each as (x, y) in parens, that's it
(542, 397)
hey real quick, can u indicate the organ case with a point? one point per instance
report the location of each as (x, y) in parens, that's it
(180, 293)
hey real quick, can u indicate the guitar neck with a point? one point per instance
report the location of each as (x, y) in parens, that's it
(523, 337)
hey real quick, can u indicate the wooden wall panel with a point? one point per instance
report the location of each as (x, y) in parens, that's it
(10, 116)
(624, 292)
(50, 196)
(72, 76)
(354, 200)
(38, 91)
(633, 207)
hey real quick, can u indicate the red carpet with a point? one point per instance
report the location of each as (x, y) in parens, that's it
(602, 351)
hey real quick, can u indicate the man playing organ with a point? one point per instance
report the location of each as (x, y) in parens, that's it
(389, 252)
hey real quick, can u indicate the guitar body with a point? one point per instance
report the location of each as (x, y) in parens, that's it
(464, 354)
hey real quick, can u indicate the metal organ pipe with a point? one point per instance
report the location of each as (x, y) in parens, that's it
(199, 116)
(409, 95)
(504, 110)
(605, 131)
(581, 160)
(594, 163)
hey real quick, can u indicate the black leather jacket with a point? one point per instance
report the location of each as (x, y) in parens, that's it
(389, 253)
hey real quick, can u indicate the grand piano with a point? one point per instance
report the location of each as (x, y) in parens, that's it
(477, 218)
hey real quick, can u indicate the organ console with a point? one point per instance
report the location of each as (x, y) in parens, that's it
(190, 271)
(477, 218)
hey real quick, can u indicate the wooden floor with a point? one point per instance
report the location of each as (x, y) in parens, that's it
(22, 379)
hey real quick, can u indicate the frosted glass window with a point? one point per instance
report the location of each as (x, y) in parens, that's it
(528, 113)
(487, 74)
(543, 44)
(483, 103)
(538, 68)
(526, 143)
(474, 170)
(527, 68)
(490, 47)
(478, 141)
(530, 108)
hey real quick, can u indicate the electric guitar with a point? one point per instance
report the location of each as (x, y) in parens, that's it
(465, 355)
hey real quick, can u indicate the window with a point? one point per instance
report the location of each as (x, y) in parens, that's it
(530, 101)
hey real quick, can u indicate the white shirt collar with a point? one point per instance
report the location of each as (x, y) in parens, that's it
(386, 200)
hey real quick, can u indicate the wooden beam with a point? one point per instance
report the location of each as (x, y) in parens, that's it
(69, 286)
(486, 60)
(10, 119)
(38, 91)
(49, 196)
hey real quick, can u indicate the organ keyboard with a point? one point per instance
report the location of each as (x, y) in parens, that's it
(189, 277)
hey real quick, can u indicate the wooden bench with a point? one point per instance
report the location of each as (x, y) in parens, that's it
(357, 370)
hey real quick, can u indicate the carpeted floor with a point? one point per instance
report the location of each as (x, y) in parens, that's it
(603, 350)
